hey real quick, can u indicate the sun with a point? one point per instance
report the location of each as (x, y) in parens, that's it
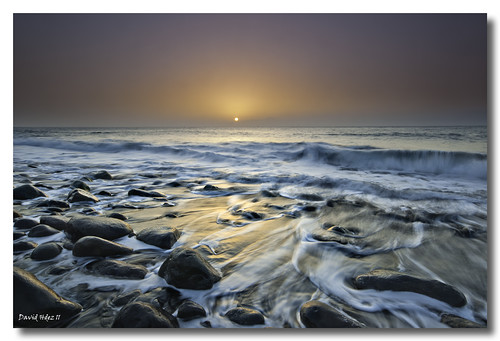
(236, 119)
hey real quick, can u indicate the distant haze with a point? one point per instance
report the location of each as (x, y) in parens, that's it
(266, 69)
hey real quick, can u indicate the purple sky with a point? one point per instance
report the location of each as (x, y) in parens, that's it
(267, 69)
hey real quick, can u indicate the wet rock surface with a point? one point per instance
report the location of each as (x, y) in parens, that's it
(118, 269)
(187, 269)
(107, 228)
(36, 305)
(397, 281)
(245, 316)
(143, 315)
(46, 251)
(316, 314)
(91, 246)
(27, 191)
(190, 310)
(164, 237)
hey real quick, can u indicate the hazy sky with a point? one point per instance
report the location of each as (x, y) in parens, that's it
(274, 69)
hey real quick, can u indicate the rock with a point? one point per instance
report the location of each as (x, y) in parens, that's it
(17, 214)
(308, 208)
(107, 228)
(59, 270)
(206, 324)
(245, 316)
(454, 321)
(53, 203)
(190, 310)
(98, 247)
(144, 315)
(126, 298)
(118, 216)
(163, 237)
(55, 222)
(25, 223)
(316, 314)
(34, 299)
(268, 194)
(27, 191)
(90, 211)
(250, 215)
(210, 188)
(22, 246)
(105, 193)
(185, 268)
(142, 193)
(80, 184)
(118, 269)
(174, 184)
(102, 175)
(168, 298)
(42, 230)
(46, 251)
(310, 197)
(397, 281)
(18, 235)
(78, 195)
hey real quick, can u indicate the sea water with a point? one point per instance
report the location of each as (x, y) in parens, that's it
(417, 194)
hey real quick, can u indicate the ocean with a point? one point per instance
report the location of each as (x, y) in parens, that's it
(285, 215)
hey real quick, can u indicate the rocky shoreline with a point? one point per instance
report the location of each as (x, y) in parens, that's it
(57, 238)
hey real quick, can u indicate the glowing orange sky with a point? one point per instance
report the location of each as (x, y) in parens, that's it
(310, 69)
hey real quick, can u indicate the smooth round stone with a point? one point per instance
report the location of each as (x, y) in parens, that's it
(42, 230)
(46, 251)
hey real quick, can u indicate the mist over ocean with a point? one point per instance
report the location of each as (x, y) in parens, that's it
(284, 216)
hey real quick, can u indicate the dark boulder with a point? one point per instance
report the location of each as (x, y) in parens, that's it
(117, 216)
(104, 175)
(250, 215)
(118, 269)
(80, 184)
(144, 315)
(206, 324)
(126, 298)
(105, 193)
(107, 228)
(27, 191)
(143, 193)
(33, 301)
(98, 247)
(55, 222)
(25, 223)
(316, 314)
(268, 194)
(245, 316)
(190, 310)
(211, 188)
(397, 281)
(310, 197)
(59, 270)
(22, 246)
(186, 268)
(46, 251)
(18, 235)
(163, 237)
(42, 230)
(174, 184)
(167, 298)
(53, 203)
(454, 321)
(79, 195)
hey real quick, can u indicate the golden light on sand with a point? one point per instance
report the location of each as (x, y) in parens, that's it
(236, 119)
